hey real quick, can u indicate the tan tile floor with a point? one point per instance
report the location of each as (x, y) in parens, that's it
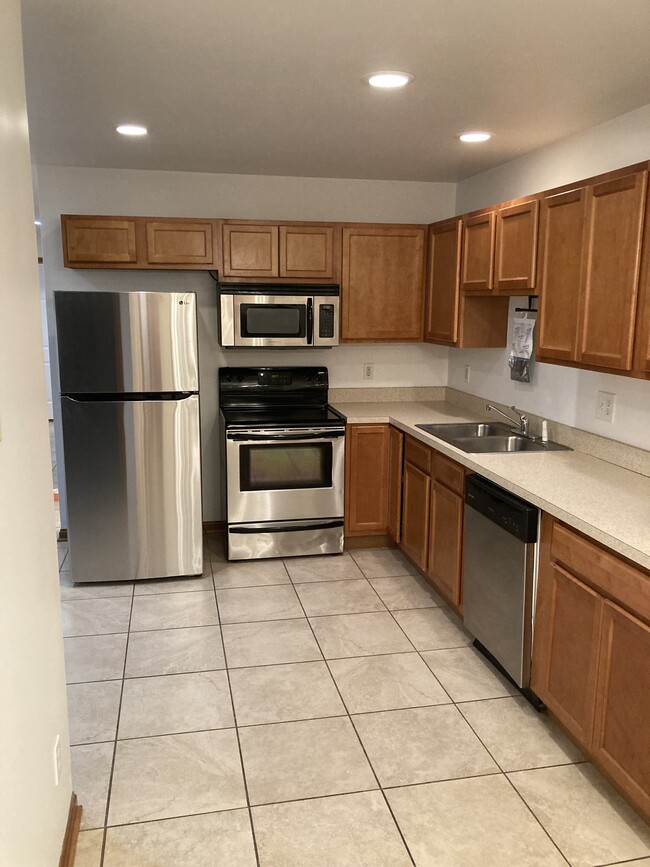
(320, 713)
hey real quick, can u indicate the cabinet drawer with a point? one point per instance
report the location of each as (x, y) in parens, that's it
(418, 454)
(449, 473)
(603, 569)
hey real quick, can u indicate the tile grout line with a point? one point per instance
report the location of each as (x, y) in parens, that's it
(502, 772)
(117, 728)
(361, 744)
(236, 727)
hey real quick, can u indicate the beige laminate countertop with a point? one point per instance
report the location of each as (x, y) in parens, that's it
(606, 502)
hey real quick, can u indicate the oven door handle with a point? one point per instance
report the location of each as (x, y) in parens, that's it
(324, 525)
(310, 321)
(284, 437)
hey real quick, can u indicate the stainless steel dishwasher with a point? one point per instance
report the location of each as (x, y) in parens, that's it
(499, 563)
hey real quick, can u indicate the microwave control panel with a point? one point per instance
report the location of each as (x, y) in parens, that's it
(326, 320)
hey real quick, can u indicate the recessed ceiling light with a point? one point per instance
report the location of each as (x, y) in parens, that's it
(131, 129)
(389, 78)
(37, 222)
(475, 136)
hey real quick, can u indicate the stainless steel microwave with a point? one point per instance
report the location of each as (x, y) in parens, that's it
(278, 315)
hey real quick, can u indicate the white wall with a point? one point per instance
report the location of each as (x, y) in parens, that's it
(33, 812)
(560, 393)
(124, 192)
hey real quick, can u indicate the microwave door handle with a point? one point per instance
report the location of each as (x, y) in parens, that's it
(310, 321)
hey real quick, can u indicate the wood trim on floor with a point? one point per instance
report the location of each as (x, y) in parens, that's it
(69, 848)
(354, 542)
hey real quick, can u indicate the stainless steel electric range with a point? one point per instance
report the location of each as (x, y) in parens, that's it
(285, 462)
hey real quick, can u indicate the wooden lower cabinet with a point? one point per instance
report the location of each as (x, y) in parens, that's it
(446, 541)
(395, 470)
(565, 656)
(621, 740)
(415, 514)
(366, 479)
(591, 656)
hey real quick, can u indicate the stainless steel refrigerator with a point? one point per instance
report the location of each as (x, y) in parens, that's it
(128, 365)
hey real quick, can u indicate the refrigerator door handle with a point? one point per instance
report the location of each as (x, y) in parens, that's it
(125, 398)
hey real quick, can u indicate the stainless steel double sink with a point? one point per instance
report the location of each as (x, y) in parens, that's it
(488, 438)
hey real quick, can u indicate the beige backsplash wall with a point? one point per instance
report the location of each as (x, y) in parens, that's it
(559, 393)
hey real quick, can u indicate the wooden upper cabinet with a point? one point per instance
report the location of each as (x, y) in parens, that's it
(179, 242)
(395, 469)
(478, 252)
(366, 479)
(562, 226)
(250, 250)
(642, 335)
(97, 241)
(621, 739)
(443, 276)
(307, 252)
(566, 648)
(515, 261)
(382, 283)
(611, 265)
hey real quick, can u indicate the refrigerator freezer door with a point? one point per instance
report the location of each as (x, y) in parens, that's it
(133, 342)
(133, 475)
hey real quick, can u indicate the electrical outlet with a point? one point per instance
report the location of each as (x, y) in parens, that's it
(468, 370)
(56, 756)
(605, 406)
(368, 370)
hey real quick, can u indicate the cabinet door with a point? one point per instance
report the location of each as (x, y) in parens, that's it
(415, 514)
(250, 251)
(177, 242)
(98, 241)
(612, 256)
(515, 262)
(565, 653)
(621, 741)
(366, 479)
(307, 252)
(441, 323)
(478, 253)
(642, 338)
(395, 469)
(562, 227)
(446, 541)
(382, 283)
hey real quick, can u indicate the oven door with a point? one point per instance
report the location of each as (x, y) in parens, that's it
(273, 320)
(280, 475)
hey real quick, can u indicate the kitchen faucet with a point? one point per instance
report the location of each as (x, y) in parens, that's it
(523, 419)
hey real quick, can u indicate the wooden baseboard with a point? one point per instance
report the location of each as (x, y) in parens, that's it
(69, 848)
(354, 542)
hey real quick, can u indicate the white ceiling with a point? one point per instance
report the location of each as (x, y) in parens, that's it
(276, 87)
